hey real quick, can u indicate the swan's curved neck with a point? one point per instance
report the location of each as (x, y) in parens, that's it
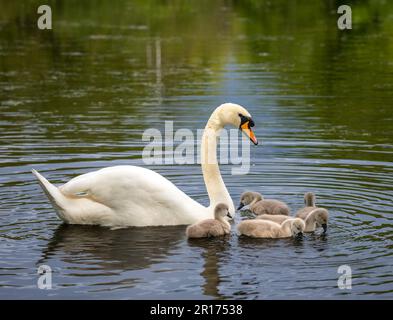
(215, 186)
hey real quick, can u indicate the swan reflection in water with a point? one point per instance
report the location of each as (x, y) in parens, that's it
(224, 261)
(91, 248)
(213, 249)
(123, 249)
(110, 254)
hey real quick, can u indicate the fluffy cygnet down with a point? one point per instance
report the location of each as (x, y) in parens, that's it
(309, 205)
(277, 218)
(258, 205)
(315, 219)
(218, 226)
(258, 228)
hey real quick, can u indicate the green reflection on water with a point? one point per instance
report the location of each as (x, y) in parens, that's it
(110, 69)
(115, 56)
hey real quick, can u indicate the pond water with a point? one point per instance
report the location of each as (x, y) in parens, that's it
(78, 98)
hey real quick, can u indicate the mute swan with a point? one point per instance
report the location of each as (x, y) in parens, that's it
(268, 229)
(309, 202)
(218, 226)
(258, 205)
(135, 196)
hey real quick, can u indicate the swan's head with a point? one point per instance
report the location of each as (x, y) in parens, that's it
(309, 199)
(297, 226)
(221, 211)
(247, 197)
(238, 116)
(321, 218)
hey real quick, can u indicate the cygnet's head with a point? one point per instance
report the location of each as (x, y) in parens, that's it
(247, 197)
(221, 211)
(238, 116)
(309, 199)
(321, 218)
(297, 227)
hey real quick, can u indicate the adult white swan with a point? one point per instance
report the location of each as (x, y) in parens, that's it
(135, 196)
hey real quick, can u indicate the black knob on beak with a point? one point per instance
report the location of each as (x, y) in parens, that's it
(241, 205)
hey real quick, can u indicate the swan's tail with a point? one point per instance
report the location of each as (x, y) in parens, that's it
(58, 200)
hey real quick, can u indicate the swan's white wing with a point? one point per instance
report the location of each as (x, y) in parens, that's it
(137, 196)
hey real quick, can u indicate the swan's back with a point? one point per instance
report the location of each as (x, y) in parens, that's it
(137, 196)
(207, 228)
(277, 218)
(303, 213)
(111, 183)
(259, 228)
(270, 206)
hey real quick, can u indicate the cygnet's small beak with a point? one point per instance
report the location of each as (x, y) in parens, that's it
(324, 226)
(229, 215)
(299, 235)
(241, 205)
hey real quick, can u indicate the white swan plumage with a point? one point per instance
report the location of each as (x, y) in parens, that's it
(136, 196)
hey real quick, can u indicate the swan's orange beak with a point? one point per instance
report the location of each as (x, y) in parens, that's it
(245, 127)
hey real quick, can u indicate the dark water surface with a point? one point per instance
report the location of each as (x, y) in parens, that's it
(79, 97)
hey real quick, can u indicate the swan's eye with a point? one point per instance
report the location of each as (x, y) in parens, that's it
(244, 119)
(245, 125)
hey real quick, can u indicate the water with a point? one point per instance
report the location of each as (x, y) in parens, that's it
(78, 98)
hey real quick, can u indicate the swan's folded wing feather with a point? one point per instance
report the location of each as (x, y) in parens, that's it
(79, 186)
(130, 189)
(112, 185)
